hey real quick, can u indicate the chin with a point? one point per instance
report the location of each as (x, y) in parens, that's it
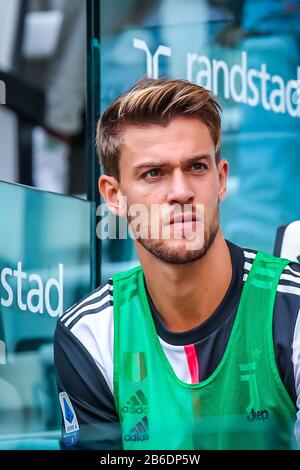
(173, 252)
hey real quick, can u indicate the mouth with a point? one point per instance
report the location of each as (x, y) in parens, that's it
(183, 219)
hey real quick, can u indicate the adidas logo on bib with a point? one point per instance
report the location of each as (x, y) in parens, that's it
(139, 432)
(137, 404)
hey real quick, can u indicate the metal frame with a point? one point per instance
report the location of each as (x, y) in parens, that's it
(92, 116)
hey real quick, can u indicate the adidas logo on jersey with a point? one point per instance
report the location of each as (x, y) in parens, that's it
(137, 404)
(139, 432)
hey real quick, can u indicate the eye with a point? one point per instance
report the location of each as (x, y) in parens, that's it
(153, 173)
(198, 166)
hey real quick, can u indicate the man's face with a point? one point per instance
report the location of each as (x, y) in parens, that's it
(172, 172)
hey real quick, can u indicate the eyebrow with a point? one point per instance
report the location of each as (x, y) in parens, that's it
(154, 164)
(207, 157)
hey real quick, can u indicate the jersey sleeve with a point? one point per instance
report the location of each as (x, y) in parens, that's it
(287, 335)
(89, 417)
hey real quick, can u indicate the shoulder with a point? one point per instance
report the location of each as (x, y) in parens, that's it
(89, 326)
(289, 283)
(287, 302)
(94, 305)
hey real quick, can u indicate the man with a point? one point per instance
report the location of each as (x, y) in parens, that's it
(193, 349)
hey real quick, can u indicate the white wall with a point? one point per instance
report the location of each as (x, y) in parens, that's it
(8, 145)
(8, 22)
(9, 10)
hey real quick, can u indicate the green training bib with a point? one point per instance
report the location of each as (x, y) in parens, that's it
(242, 405)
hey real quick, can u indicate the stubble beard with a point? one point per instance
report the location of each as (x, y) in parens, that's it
(160, 249)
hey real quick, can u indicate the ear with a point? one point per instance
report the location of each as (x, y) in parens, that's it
(110, 191)
(223, 170)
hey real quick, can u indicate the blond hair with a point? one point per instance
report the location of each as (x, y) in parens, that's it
(154, 101)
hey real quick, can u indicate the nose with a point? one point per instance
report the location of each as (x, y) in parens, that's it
(179, 190)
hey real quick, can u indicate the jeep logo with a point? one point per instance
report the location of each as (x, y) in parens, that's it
(258, 415)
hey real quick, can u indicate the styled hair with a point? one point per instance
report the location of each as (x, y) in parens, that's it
(154, 101)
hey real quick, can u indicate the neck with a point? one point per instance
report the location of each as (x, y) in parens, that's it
(185, 295)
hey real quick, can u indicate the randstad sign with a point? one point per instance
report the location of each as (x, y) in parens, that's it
(239, 81)
(29, 292)
(45, 252)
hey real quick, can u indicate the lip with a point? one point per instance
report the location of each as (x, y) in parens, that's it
(182, 218)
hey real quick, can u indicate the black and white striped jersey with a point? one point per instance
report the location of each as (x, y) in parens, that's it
(84, 344)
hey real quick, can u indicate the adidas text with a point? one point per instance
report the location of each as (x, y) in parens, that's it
(136, 437)
(139, 409)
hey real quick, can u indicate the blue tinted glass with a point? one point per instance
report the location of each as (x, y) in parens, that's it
(247, 53)
(45, 243)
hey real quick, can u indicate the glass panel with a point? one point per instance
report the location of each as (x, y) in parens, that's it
(247, 53)
(45, 243)
(42, 89)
